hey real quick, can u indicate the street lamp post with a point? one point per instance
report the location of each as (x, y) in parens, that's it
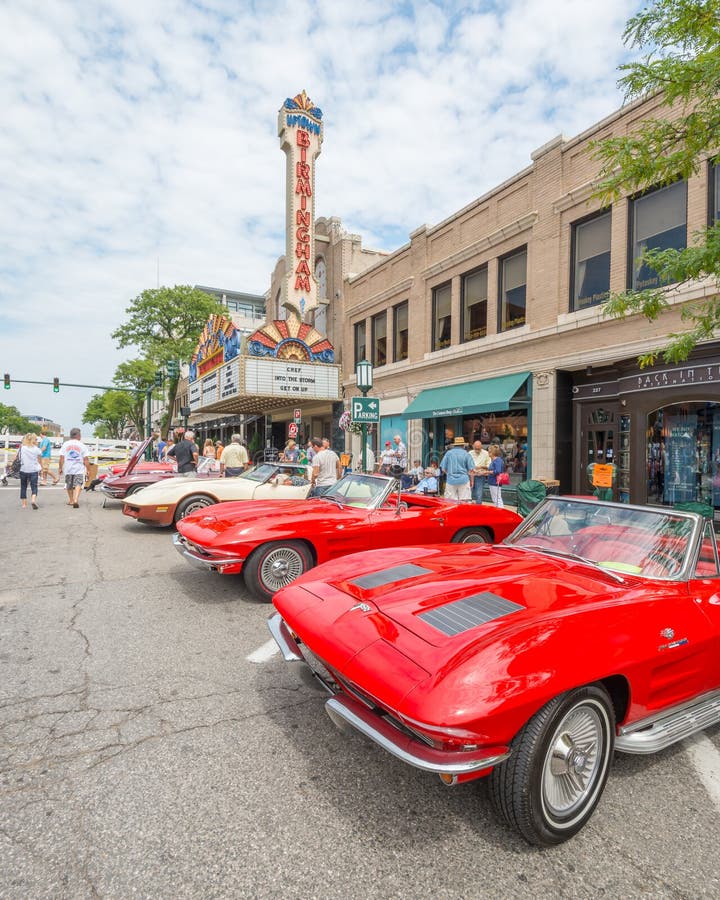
(364, 378)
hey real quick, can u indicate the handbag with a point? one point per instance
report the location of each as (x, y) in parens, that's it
(15, 465)
(502, 478)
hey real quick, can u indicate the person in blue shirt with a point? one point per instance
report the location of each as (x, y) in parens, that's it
(426, 485)
(45, 447)
(458, 466)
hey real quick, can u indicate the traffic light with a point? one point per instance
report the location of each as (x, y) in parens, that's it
(172, 368)
(56, 385)
(158, 378)
(7, 381)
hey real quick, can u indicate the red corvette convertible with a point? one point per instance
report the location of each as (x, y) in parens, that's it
(594, 627)
(274, 541)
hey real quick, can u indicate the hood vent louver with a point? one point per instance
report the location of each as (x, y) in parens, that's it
(388, 576)
(462, 615)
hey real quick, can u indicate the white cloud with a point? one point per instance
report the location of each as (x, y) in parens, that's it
(135, 132)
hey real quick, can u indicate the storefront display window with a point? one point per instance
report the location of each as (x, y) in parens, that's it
(683, 454)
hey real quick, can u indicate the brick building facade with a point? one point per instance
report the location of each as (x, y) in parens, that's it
(490, 324)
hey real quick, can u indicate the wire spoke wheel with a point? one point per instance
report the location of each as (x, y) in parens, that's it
(281, 566)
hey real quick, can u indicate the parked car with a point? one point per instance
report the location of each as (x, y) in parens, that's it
(172, 500)
(594, 627)
(273, 542)
(137, 474)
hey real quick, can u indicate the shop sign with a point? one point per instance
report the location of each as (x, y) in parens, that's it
(602, 476)
(194, 395)
(210, 389)
(650, 379)
(230, 380)
(455, 411)
(292, 430)
(275, 378)
(301, 133)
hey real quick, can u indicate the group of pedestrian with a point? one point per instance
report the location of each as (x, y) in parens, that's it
(34, 458)
(467, 472)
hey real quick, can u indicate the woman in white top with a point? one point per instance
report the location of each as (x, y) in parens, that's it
(30, 467)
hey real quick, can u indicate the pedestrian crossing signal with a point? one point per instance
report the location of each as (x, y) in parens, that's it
(56, 385)
(7, 381)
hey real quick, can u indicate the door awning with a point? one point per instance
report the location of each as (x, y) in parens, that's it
(483, 396)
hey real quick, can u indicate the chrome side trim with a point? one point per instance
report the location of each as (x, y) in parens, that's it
(345, 711)
(664, 729)
(281, 633)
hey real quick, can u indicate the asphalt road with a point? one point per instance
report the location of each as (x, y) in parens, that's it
(144, 754)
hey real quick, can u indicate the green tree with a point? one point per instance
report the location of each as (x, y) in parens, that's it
(165, 323)
(110, 412)
(139, 376)
(679, 41)
(12, 421)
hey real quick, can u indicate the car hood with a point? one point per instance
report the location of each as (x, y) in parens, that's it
(451, 596)
(136, 456)
(175, 487)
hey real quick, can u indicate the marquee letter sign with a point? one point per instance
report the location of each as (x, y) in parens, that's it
(301, 133)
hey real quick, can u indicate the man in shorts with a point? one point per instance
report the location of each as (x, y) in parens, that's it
(74, 464)
(459, 469)
(45, 446)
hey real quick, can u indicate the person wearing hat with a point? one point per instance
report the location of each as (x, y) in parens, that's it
(458, 466)
(387, 458)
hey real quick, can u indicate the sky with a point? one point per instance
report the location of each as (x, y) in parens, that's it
(138, 143)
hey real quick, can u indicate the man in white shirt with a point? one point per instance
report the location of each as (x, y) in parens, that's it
(481, 459)
(234, 458)
(74, 464)
(326, 468)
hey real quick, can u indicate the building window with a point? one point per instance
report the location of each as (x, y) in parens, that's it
(474, 305)
(321, 278)
(400, 332)
(714, 194)
(591, 261)
(379, 339)
(360, 342)
(659, 222)
(442, 318)
(513, 290)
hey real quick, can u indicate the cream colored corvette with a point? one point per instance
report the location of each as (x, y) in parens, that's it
(166, 502)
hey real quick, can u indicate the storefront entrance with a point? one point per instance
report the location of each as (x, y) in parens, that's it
(599, 443)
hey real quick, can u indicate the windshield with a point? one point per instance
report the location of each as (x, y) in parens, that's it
(624, 539)
(367, 491)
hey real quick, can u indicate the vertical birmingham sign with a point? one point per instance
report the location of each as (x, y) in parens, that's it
(301, 132)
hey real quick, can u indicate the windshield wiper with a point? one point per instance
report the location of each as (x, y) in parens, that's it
(333, 497)
(568, 554)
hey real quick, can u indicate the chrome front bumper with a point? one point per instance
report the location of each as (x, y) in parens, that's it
(344, 710)
(195, 558)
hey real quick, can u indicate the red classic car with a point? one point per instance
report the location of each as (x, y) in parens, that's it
(594, 627)
(274, 541)
(138, 475)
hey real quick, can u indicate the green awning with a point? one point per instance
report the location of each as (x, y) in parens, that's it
(486, 395)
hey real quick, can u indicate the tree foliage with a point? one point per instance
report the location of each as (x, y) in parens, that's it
(680, 45)
(138, 375)
(165, 323)
(109, 412)
(12, 421)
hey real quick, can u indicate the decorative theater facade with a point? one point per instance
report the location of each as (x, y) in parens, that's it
(490, 325)
(287, 371)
